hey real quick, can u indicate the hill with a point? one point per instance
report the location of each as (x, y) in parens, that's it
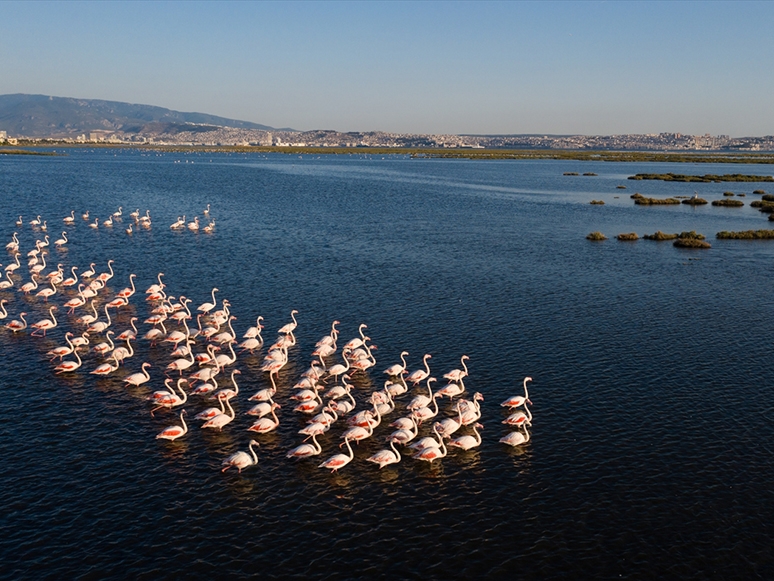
(45, 116)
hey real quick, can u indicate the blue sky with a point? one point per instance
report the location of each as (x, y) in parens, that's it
(418, 67)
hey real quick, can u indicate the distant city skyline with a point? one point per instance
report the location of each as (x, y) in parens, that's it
(588, 68)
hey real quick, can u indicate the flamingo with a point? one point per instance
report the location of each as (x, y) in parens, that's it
(467, 442)
(68, 366)
(100, 326)
(174, 432)
(73, 280)
(129, 333)
(172, 400)
(458, 374)
(262, 409)
(4, 313)
(13, 267)
(405, 432)
(95, 224)
(519, 418)
(7, 283)
(90, 272)
(432, 453)
(19, 222)
(339, 460)
(290, 327)
(119, 213)
(358, 341)
(447, 426)
(156, 288)
(221, 419)
(518, 400)
(17, 326)
(108, 223)
(358, 433)
(69, 219)
(516, 438)
(35, 221)
(105, 369)
(228, 393)
(45, 324)
(329, 339)
(305, 450)
(211, 412)
(181, 364)
(254, 332)
(397, 369)
(471, 411)
(207, 307)
(137, 379)
(60, 351)
(61, 241)
(105, 346)
(27, 288)
(120, 354)
(451, 390)
(421, 401)
(264, 425)
(85, 216)
(385, 457)
(420, 374)
(47, 292)
(81, 341)
(127, 292)
(265, 394)
(241, 460)
(194, 226)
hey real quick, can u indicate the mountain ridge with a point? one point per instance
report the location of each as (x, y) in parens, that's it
(50, 116)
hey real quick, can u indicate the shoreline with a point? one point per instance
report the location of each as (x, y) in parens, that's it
(428, 153)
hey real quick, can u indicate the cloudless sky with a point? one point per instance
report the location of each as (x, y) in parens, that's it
(414, 67)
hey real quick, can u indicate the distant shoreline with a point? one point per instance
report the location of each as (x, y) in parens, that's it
(430, 153)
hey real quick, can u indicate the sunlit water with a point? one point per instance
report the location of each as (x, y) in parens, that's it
(651, 450)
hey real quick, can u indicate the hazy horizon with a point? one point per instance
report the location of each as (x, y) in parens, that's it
(591, 68)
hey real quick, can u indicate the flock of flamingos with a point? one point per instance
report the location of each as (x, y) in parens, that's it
(205, 353)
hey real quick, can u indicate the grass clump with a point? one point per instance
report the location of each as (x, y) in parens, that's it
(692, 235)
(589, 173)
(596, 236)
(759, 192)
(746, 235)
(659, 235)
(728, 203)
(570, 173)
(695, 201)
(620, 187)
(742, 195)
(691, 243)
(597, 202)
(641, 200)
(728, 193)
(628, 237)
(763, 206)
(767, 197)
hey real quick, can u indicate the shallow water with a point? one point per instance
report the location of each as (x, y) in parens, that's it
(650, 453)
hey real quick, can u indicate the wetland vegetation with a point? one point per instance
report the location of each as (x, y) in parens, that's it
(746, 235)
(706, 178)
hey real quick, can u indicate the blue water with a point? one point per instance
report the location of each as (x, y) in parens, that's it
(650, 453)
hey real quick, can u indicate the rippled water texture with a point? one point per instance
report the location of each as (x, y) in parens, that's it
(651, 449)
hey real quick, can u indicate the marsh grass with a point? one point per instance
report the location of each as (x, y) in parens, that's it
(659, 236)
(746, 234)
(596, 236)
(728, 203)
(641, 200)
